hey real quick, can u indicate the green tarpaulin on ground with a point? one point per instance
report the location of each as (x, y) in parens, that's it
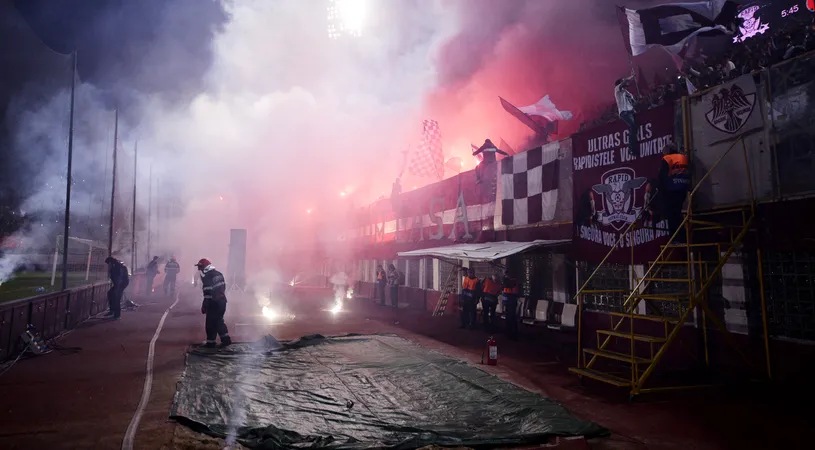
(359, 392)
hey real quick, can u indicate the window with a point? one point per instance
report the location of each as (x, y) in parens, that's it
(610, 277)
(413, 273)
(428, 273)
(445, 268)
(789, 290)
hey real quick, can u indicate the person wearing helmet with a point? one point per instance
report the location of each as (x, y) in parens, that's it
(171, 270)
(214, 304)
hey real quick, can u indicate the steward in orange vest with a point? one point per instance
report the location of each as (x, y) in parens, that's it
(492, 289)
(674, 181)
(469, 286)
(510, 302)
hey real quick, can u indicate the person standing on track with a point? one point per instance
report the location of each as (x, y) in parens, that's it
(393, 283)
(469, 286)
(150, 276)
(214, 304)
(381, 281)
(171, 270)
(492, 288)
(119, 279)
(511, 304)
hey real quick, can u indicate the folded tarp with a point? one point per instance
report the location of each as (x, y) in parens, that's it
(360, 392)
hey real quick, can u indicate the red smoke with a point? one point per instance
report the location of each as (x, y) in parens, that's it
(521, 51)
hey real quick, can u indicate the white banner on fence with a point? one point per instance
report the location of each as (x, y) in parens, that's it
(718, 118)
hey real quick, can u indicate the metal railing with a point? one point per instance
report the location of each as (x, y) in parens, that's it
(51, 314)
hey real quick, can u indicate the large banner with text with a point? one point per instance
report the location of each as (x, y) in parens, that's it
(613, 189)
(457, 209)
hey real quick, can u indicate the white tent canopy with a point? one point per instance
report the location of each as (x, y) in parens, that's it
(488, 251)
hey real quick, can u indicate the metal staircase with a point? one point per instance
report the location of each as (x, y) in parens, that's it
(673, 290)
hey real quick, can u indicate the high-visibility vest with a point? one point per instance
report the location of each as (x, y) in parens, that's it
(678, 171)
(491, 287)
(469, 283)
(510, 286)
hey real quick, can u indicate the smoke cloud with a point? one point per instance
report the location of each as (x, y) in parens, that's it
(259, 121)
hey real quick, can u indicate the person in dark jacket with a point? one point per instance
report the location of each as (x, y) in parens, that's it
(381, 281)
(469, 287)
(119, 279)
(150, 275)
(214, 304)
(510, 302)
(393, 285)
(171, 270)
(492, 289)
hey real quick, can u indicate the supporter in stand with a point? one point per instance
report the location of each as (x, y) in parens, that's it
(704, 71)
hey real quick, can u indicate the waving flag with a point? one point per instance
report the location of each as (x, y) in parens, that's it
(671, 25)
(546, 109)
(428, 161)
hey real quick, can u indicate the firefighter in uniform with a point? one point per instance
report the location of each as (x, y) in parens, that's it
(510, 302)
(214, 304)
(171, 270)
(492, 288)
(469, 287)
(674, 180)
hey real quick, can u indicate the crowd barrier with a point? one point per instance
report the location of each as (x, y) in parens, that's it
(51, 314)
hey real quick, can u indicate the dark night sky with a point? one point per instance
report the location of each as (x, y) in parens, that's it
(120, 42)
(126, 48)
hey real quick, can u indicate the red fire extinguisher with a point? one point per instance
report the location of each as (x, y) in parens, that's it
(492, 352)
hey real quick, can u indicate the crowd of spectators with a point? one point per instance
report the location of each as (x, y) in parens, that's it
(704, 71)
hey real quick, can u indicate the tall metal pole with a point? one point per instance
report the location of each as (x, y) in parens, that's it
(69, 180)
(133, 221)
(113, 184)
(150, 213)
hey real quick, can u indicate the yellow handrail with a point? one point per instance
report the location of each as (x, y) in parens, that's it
(634, 222)
(628, 304)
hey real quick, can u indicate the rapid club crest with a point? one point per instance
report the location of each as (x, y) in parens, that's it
(618, 188)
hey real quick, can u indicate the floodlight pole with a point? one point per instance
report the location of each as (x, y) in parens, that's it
(133, 218)
(113, 184)
(68, 180)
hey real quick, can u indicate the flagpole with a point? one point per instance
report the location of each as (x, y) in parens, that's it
(113, 184)
(627, 49)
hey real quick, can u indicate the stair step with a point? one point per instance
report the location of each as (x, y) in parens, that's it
(669, 262)
(637, 337)
(615, 356)
(668, 280)
(705, 244)
(677, 297)
(601, 376)
(651, 317)
(717, 212)
(714, 224)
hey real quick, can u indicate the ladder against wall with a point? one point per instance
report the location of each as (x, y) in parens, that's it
(629, 350)
(449, 286)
